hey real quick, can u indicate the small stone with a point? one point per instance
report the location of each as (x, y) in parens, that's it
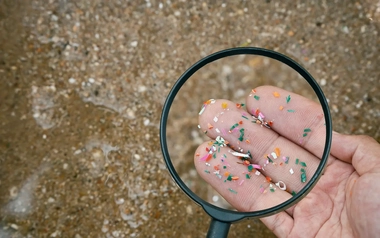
(134, 43)
(72, 80)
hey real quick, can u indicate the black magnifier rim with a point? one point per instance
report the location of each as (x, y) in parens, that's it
(217, 212)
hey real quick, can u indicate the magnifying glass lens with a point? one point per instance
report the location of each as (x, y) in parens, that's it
(246, 133)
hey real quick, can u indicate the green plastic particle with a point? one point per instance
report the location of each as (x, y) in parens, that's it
(257, 97)
(250, 168)
(287, 160)
(242, 104)
(297, 161)
(307, 130)
(232, 191)
(247, 176)
(288, 99)
(272, 190)
(214, 156)
(304, 135)
(270, 160)
(303, 164)
(303, 177)
(224, 167)
(207, 172)
(229, 178)
(224, 155)
(294, 193)
(244, 117)
(233, 126)
(291, 110)
(303, 170)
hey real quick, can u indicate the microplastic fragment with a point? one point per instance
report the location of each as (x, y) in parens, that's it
(277, 151)
(233, 127)
(199, 126)
(235, 178)
(214, 156)
(241, 138)
(207, 172)
(291, 171)
(276, 94)
(215, 119)
(202, 109)
(232, 191)
(294, 193)
(244, 117)
(237, 154)
(288, 99)
(274, 155)
(210, 126)
(281, 185)
(247, 176)
(257, 173)
(257, 97)
(256, 166)
(224, 167)
(224, 105)
(207, 164)
(207, 157)
(287, 160)
(268, 178)
(306, 130)
(261, 116)
(297, 161)
(304, 135)
(238, 105)
(303, 170)
(241, 182)
(272, 190)
(226, 173)
(229, 178)
(250, 168)
(253, 90)
(303, 177)
(291, 110)
(217, 130)
(281, 107)
(303, 164)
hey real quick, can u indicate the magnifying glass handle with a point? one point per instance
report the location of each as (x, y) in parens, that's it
(218, 229)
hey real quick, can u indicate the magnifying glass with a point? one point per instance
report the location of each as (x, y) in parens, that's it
(247, 136)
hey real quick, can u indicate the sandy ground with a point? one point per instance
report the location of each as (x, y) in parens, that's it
(83, 84)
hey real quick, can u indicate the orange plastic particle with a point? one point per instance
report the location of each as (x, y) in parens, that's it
(253, 90)
(210, 126)
(240, 122)
(277, 151)
(235, 178)
(270, 123)
(257, 112)
(281, 107)
(226, 173)
(246, 162)
(276, 94)
(197, 154)
(248, 141)
(224, 105)
(208, 157)
(268, 178)
(216, 167)
(238, 105)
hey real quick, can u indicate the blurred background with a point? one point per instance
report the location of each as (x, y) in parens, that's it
(82, 85)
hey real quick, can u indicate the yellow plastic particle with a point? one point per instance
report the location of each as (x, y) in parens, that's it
(276, 94)
(281, 107)
(224, 105)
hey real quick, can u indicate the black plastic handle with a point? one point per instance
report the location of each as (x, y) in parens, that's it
(218, 229)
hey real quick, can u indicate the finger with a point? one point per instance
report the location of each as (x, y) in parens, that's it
(246, 190)
(362, 151)
(297, 118)
(279, 158)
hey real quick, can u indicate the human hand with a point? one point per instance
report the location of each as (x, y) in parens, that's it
(345, 201)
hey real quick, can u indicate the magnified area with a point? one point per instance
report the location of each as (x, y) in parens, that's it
(262, 151)
(245, 133)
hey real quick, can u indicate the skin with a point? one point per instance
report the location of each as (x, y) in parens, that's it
(345, 201)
